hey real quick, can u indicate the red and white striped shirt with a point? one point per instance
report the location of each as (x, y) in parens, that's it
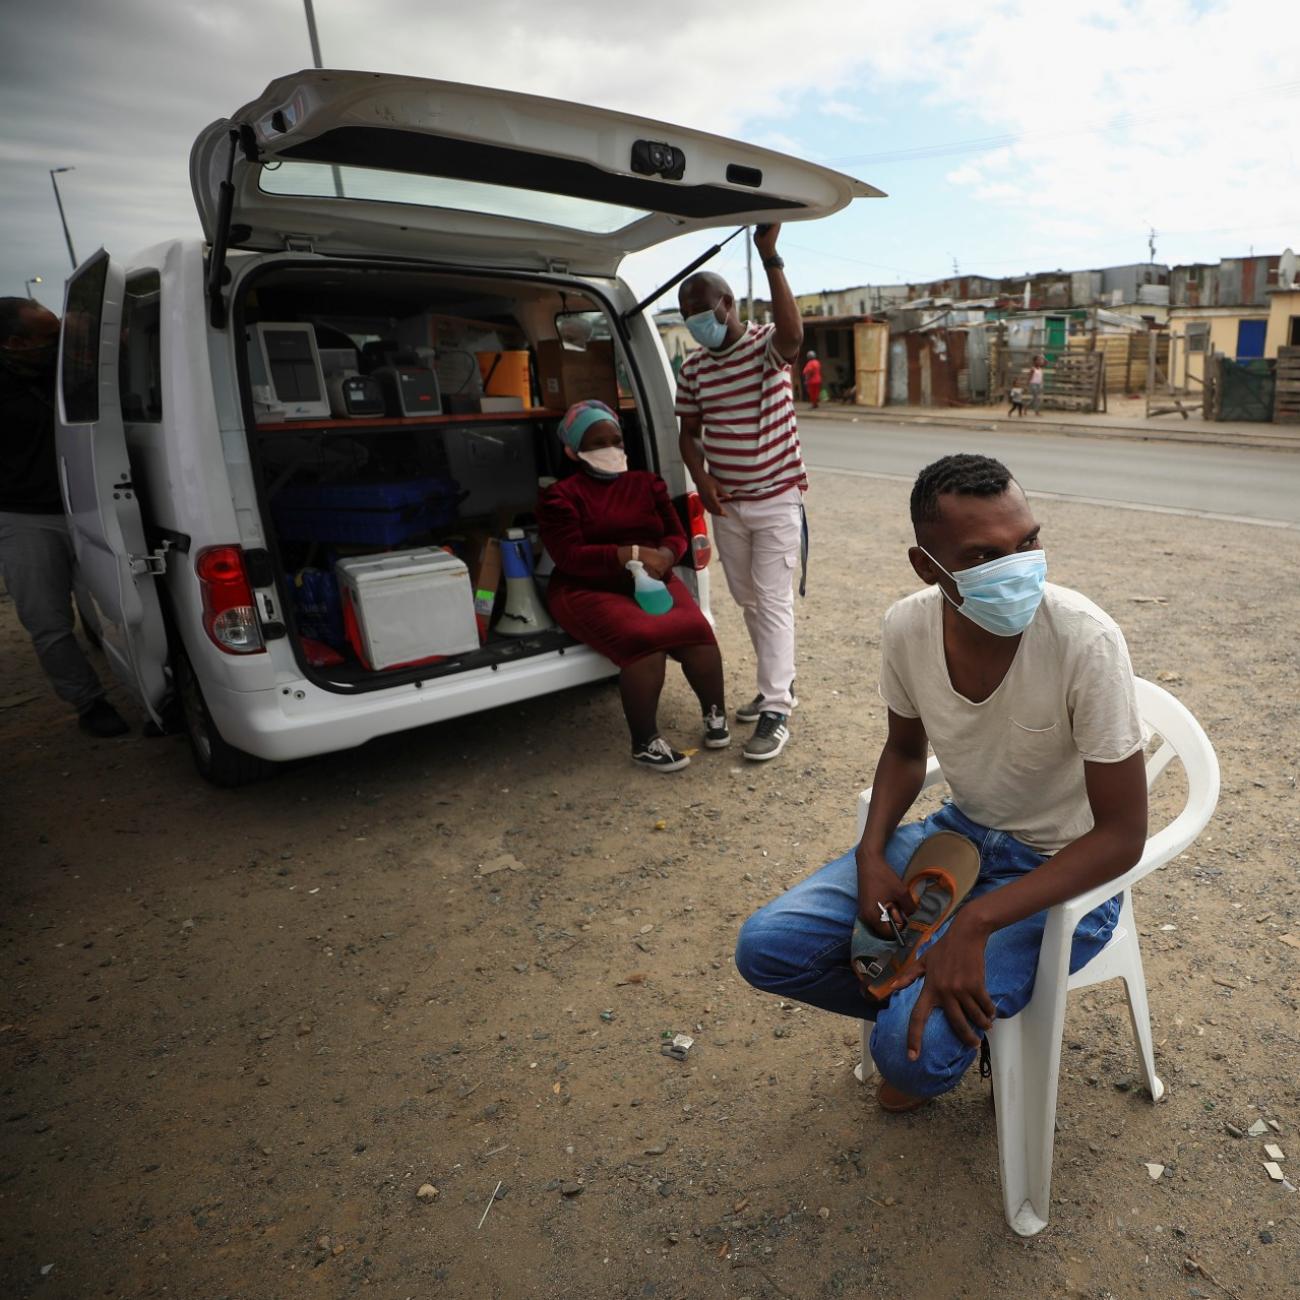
(745, 404)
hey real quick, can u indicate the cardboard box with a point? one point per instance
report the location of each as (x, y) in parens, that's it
(566, 376)
(485, 578)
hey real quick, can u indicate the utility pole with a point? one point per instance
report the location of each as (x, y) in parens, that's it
(311, 34)
(1151, 244)
(749, 267)
(58, 198)
(316, 63)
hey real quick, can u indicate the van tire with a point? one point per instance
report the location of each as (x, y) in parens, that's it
(218, 762)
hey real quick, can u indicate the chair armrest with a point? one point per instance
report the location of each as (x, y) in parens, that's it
(1162, 847)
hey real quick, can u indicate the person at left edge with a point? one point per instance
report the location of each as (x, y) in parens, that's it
(592, 524)
(36, 554)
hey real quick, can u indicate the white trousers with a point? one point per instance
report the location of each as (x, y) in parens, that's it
(758, 543)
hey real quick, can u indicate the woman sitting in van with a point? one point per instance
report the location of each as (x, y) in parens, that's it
(592, 524)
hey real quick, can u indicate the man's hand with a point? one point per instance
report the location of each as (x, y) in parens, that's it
(711, 493)
(765, 239)
(953, 969)
(879, 883)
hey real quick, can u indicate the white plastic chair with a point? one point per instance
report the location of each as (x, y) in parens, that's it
(1026, 1049)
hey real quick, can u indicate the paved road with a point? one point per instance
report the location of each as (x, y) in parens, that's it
(1245, 483)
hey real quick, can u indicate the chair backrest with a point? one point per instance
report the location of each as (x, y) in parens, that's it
(1182, 737)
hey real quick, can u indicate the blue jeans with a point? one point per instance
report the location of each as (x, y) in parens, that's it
(797, 946)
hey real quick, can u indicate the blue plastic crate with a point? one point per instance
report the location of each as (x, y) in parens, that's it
(378, 514)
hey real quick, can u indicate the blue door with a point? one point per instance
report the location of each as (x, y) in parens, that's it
(1250, 339)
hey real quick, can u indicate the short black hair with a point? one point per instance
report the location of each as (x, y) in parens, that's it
(11, 315)
(964, 474)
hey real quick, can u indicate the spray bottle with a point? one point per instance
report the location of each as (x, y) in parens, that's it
(651, 594)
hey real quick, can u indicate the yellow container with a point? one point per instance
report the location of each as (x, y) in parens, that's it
(505, 374)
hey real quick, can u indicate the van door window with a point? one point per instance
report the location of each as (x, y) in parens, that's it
(81, 321)
(140, 359)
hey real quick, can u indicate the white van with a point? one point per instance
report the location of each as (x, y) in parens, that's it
(444, 254)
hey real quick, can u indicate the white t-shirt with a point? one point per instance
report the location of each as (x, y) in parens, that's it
(1014, 762)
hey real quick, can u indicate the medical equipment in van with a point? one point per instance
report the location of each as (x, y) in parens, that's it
(285, 371)
(353, 396)
(409, 390)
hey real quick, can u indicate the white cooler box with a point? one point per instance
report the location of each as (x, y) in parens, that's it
(409, 606)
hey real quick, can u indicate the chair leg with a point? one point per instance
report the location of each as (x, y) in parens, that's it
(865, 1070)
(1026, 1057)
(1135, 986)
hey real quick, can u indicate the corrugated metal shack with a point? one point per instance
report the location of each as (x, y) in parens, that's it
(938, 353)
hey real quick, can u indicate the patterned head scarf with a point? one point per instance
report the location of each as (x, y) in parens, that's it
(579, 418)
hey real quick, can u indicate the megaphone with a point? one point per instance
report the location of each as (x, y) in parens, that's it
(524, 613)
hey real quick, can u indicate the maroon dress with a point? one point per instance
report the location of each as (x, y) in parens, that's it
(583, 522)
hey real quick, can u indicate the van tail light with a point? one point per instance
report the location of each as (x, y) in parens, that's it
(701, 547)
(229, 615)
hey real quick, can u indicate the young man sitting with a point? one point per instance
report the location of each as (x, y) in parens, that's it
(1025, 692)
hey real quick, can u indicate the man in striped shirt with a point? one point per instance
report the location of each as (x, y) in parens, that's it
(741, 444)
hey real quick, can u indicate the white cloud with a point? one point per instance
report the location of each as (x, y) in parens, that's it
(849, 111)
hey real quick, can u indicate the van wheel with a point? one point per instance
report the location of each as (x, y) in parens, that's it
(218, 762)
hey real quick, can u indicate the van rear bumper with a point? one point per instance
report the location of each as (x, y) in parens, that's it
(299, 720)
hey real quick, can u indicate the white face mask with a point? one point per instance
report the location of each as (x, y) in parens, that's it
(606, 462)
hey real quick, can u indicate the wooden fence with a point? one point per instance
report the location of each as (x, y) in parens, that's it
(1125, 358)
(1074, 381)
(1286, 397)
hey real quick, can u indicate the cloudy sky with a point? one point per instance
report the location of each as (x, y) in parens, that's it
(1009, 137)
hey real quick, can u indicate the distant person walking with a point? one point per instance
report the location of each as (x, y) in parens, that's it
(1036, 384)
(40, 567)
(812, 378)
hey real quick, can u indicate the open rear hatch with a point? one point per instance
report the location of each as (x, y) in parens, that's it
(358, 163)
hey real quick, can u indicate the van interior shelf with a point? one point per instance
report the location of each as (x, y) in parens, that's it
(413, 421)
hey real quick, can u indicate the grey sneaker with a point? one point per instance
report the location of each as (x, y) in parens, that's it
(769, 737)
(716, 734)
(660, 755)
(751, 712)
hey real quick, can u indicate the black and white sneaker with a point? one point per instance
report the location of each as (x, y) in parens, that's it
(660, 755)
(716, 735)
(753, 710)
(769, 737)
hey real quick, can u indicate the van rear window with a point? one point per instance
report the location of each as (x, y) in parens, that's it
(317, 180)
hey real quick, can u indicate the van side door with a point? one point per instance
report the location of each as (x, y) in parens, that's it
(99, 496)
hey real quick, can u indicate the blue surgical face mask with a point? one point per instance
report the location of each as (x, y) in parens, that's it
(1001, 596)
(706, 329)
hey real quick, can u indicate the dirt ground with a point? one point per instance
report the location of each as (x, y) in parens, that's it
(240, 1030)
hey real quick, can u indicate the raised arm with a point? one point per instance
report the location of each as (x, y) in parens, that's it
(788, 336)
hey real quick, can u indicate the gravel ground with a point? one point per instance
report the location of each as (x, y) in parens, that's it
(241, 1030)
